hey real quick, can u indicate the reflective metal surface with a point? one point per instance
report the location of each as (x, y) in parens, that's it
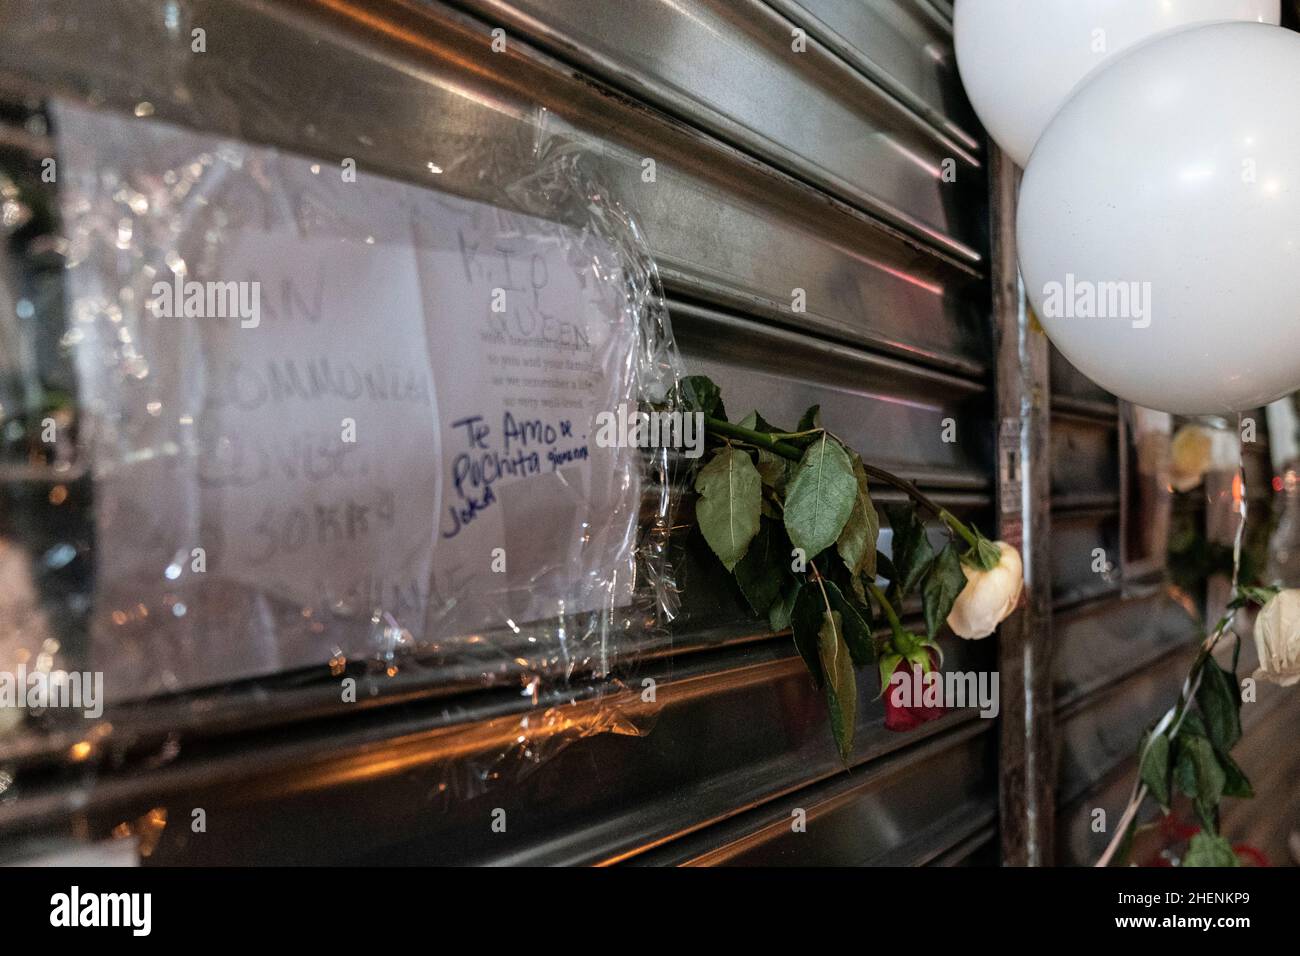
(895, 409)
(903, 45)
(737, 68)
(907, 812)
(724, 227)
(773, 172)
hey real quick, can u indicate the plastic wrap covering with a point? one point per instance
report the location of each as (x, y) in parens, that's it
(273, 415)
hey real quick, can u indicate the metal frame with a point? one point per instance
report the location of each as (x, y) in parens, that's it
(1026, 758)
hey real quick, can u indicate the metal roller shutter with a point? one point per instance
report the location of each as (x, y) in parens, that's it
(776, 170)
(827, 169)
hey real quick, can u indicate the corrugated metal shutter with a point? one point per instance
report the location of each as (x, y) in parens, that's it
(776, 170)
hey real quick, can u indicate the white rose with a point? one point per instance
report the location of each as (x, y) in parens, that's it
(1190, 455)
(989, 597)
(1277, 639)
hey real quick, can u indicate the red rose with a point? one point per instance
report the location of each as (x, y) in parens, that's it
(904, 702)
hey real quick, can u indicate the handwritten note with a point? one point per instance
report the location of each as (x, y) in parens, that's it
(400, 443)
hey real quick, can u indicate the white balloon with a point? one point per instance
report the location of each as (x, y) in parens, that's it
(1020, 59)
(1159, 222)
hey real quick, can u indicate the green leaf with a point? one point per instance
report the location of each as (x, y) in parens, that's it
(820, 496)
(778, 615)
(984, 556)
(774, 470)
(1155, 769)
(810, 419)
(1192, 725)
(806, 432)
(860, 591)
(857, 626)
(728, 509)
(1210, 850)
(857, 542)
(806, 622)
(1254, 595)
(699, 393)
(1220, 704)
(1200, 775)
(761, 572)
(841, 684)
(912, 553)
(941, 586)
(888, 663)
(1235, 784)
(757, 423)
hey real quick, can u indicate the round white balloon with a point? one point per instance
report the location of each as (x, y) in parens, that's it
(1159, 222)
(1020, 59)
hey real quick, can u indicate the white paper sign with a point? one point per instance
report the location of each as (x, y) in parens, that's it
(398, 442)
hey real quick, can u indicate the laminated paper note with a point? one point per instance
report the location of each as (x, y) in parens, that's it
(384, 437)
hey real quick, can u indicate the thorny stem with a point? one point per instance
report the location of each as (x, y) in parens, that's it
(1175, 719)
(1190, 686)
(795, 454)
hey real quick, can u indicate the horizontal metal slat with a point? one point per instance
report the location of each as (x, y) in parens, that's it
(1101, 643)
(1076, 536)
(1070, 384)
(425, 87)
(943, 7)
(909, 809)
(895, 410)
(732, 730)
(1084, 457)
(731, 67)
(1105, 731)
(902, 45)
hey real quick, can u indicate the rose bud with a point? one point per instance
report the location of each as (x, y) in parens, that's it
(905, 707)
(989, 597)
(1277, 638)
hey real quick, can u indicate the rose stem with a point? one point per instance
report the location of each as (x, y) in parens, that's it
(790, 452)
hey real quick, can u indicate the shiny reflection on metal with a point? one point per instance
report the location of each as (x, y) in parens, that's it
(942, 7)
(1103, 729)
(723, 226)
(896, 409)
(728, 67)
(908, 810)
(736, 729)
(743, 724)
(904, 46)
(1102, 642)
